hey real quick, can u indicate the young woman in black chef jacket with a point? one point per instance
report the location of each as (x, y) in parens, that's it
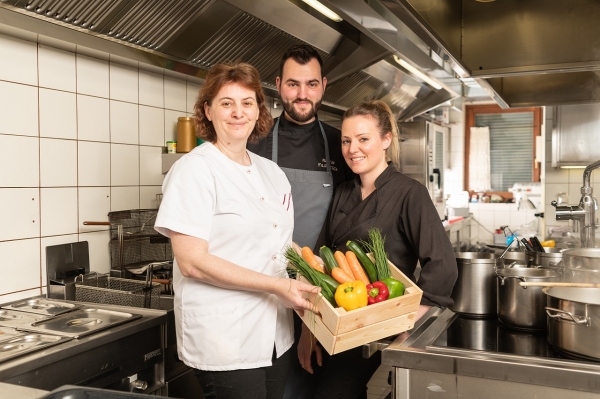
(401, 207)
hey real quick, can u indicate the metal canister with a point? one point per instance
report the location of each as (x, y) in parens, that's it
(186, 134)
(550, 258)
(474, 293)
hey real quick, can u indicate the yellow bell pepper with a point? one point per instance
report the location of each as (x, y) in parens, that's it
(351, 295)
(548, 243)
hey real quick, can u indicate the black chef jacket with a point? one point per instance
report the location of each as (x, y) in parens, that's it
(302, 147)
(402, 208)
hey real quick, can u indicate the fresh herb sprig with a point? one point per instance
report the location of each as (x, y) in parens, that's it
(375, 245)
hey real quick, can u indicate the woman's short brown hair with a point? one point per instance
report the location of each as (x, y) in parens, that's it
(220, 75)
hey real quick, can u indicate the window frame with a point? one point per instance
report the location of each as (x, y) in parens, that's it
(471, 111)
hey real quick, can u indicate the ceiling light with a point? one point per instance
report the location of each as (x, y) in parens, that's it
(323, 10)
(417, 73)
(572, 167)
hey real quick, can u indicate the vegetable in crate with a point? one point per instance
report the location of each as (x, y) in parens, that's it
(357, 270)
(332, 266)
(351, 295)
(375, 244)
(395, 287)
(327, 284)
(310, 258)
(363, 259)
(378, 292)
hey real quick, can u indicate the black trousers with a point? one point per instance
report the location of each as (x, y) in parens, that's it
(343, 376)
(260, 383)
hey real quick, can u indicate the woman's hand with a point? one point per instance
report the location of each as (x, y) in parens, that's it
(289, 292)
(306, 346)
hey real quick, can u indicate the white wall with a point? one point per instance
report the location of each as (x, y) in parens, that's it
(556, 180)
(81, 136)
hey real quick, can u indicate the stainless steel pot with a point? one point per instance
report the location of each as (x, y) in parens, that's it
(517, 259)
(475, 289)
(581, 265)
(523, 307)
(574, 320)
(551, 258)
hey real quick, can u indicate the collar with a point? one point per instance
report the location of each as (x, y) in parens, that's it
(286, 124)
(383, 177)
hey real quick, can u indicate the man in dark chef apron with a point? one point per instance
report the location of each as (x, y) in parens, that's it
(309, 152)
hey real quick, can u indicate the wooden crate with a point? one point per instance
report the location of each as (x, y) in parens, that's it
(338, 330)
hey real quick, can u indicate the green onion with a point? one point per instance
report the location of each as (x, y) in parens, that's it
(313, 276)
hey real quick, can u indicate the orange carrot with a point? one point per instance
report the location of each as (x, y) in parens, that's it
(341, 276)
(357, 271)
(342, 262)
(312, 261)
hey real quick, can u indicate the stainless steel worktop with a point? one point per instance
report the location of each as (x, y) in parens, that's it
(458, 357)
(96, 360)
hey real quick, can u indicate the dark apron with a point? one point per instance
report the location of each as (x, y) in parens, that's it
(311, 194)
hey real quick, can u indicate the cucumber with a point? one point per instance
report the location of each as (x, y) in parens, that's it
(364, 260)
(330, 281)
(327, 256)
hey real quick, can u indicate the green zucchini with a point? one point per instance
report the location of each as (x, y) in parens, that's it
(330, 281)
(364, 260)
(327, 256)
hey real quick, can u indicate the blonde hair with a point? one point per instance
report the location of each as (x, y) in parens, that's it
(382, 114)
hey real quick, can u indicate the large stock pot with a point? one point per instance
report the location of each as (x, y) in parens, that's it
(581, 265)
(474, 293)
(574, 320)
(520, 306)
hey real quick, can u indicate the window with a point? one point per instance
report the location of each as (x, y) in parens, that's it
(512, 144)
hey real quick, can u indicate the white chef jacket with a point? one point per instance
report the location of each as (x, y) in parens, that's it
(246, 215)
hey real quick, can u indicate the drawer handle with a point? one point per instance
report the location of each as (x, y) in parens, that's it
(567, 316)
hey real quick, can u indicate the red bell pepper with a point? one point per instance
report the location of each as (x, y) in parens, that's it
(378, 292)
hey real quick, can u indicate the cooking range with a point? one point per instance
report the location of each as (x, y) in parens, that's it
(451, 356)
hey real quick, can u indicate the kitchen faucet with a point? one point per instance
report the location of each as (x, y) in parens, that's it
(585, 212)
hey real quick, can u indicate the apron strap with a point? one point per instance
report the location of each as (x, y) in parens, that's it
(275, 147)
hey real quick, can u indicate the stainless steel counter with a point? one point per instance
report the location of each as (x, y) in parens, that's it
(459, 232)
(103, 359)
(449, 357)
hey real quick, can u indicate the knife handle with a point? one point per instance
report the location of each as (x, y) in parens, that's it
(527, 245)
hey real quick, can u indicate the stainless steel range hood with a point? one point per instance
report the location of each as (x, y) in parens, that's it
(525, 53)
(190, 36)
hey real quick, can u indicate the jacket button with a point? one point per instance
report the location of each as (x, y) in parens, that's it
(262, 198)
(274, 257)
(275, 225)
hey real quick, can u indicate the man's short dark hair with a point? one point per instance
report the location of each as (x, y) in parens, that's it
(302, 54)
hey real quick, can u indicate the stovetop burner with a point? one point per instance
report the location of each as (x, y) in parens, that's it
(491, 335)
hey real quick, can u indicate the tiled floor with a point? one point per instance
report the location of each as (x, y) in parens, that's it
(378, 387)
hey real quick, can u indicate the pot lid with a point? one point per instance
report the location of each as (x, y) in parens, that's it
(590, 296)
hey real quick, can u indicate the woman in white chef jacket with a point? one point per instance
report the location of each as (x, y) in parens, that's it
(229, 215)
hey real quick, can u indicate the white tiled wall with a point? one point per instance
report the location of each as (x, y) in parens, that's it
(454, 176)
(81, 136)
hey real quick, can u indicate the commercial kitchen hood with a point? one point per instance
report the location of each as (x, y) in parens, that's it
(360, 52)
(525, 53)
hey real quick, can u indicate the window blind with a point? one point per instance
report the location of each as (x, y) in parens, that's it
(511, 147)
